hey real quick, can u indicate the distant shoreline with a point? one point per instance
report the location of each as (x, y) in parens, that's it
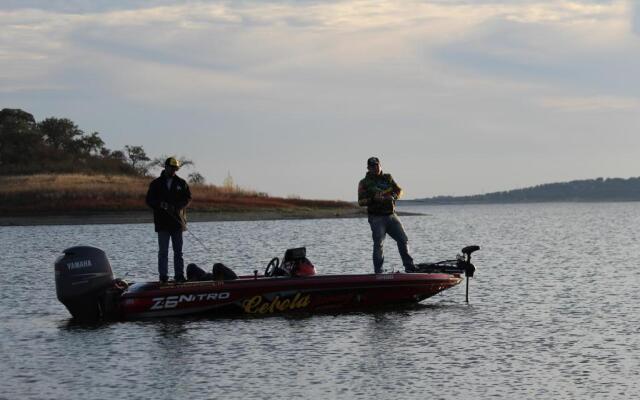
(481, 203)
(586, 190)
(146, 217)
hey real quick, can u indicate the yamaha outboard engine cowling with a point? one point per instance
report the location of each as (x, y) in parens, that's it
(83, 275)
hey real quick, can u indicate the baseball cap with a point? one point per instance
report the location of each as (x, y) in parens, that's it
(172, 162)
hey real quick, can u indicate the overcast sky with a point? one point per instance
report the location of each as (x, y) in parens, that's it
(456, 97)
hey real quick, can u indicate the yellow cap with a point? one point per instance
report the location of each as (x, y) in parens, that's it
(172, 162)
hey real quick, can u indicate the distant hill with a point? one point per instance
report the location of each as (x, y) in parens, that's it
(610, 189)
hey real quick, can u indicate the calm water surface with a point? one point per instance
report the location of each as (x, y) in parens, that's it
(553, 314)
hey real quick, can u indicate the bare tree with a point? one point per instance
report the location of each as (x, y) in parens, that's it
(158, 162)
(137, 158)
(196, 178)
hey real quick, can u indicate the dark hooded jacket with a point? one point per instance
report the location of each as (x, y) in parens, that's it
(178, 197)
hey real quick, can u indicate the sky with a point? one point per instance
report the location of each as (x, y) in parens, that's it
(291, 97)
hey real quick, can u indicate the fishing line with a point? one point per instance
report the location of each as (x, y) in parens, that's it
(199, 241)
(188, 230)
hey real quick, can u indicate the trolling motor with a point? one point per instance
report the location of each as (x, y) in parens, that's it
(462, 264)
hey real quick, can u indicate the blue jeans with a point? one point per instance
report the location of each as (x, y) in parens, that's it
(163, 253)
(380, 226)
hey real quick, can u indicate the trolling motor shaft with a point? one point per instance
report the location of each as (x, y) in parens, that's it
(461, 265)
(470, 269)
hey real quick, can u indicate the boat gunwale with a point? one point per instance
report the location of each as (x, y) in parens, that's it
(360, 281)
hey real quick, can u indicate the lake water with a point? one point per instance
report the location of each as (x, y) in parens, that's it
(553, 313)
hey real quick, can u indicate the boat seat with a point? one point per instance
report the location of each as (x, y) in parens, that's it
(221, 272)
(195, 273)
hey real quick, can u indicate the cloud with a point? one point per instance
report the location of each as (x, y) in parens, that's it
(255, 47)
(259, 78)
(572, 45)
(635, 17)
(81, 6)
(591, 103)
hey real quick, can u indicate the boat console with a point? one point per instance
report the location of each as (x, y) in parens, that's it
(294, 263)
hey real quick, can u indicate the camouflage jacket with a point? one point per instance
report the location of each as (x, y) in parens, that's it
(378, 193)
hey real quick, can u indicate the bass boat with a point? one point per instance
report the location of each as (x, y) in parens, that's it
(86, 286)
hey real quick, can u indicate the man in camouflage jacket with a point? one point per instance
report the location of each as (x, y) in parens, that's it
(379, 192)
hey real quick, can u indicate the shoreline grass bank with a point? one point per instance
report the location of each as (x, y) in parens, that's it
(142, 217)
(48, 199)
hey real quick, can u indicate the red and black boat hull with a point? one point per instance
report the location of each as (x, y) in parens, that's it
(85, 285)
(264, 296)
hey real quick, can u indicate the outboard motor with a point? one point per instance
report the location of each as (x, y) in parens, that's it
(83, 276)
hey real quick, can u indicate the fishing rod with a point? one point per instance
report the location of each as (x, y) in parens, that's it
(178, 220)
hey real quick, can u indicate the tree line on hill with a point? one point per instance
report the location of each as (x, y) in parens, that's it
(58, 145)
(600, 189)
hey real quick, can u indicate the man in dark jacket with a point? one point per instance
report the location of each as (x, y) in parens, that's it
(379, 192)
(169, 196)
